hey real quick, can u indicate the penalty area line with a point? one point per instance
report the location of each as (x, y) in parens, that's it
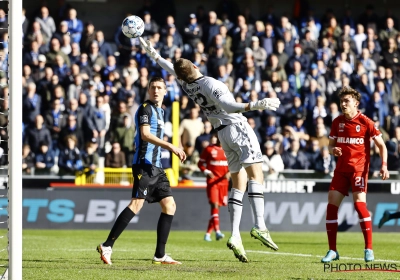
(316, 256)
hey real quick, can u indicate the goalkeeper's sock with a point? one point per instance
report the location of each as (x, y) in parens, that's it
(120, 224)
(235, 207)
(332, 225)
(365, 223)
(256, 198)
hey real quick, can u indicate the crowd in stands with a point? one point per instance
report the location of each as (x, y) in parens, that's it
(81, 92)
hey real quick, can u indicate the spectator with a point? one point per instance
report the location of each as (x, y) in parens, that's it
(190, 129)
(272, 161)
(36, 34)
(75, 26)
(321, 135)
(150, 26)
(168, 48)
(131, 69)
(28, 160)
(317, 76)
(31, 57)
(393, 147)
(325, 162)
(124, 135)
(274, 66)
(391, 55)
(46, 22)
(71, 129)
(392, 86)
(115, 158)
(254, 124)
(210, 29)
(104, 47)
(289, 43)
(88, 36)
(32, 104)
(39, 72)
(61, 69)
(372, 37)
(313, 151)
(359, 38)
(66, 44)
(299, 56)
(300, 130)
(309, 46)
(44, 159)
(70, 160)
(62, 30)
(96, 59)
(75, 88)
(297, 78)
(90, 157)
(55, 49)
(393, 120)
(226, 42)
(389, 31)
(286, 26)
(271, 130)
(259, 54)
(55, 121)
(267, 41)
(294, 158)
(193, 32)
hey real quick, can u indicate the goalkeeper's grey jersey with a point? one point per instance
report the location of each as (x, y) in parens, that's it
(215, 99)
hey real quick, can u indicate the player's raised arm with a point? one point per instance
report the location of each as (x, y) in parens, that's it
(165, 64)
(384, 173)
(224, 98)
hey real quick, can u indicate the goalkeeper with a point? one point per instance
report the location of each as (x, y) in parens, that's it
(238, 141)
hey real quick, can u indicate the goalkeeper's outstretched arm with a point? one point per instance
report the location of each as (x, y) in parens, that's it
(165, 64)
(266, 103)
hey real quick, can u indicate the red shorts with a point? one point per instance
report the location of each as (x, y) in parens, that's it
(218, 193)
(342, 181)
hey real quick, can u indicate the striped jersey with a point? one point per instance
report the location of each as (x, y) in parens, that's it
(148, 153)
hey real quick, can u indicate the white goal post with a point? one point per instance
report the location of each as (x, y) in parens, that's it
(15, 140)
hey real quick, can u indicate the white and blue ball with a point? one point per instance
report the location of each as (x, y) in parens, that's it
(133, 27)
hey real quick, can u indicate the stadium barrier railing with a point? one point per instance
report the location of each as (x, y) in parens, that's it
(113, 176)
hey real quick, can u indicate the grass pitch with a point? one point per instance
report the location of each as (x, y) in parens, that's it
(71, 254)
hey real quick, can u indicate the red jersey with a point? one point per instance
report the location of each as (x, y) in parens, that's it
(354, 137)
(213, 158)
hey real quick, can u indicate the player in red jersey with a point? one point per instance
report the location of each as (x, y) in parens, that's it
(214, 165)
(350, 140)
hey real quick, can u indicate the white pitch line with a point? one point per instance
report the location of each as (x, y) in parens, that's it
(316, 256)
(248, 251)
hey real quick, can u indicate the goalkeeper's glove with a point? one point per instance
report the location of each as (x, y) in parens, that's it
(149, 49)
(266, 103)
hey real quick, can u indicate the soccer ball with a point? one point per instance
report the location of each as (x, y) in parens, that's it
(133, 27)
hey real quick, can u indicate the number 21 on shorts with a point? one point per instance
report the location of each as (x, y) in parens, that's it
(359, 182)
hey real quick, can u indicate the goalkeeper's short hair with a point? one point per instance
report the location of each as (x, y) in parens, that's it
(184, 70)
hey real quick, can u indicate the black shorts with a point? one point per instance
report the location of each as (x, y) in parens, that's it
(150, 182)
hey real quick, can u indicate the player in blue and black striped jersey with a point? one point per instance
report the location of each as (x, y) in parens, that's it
(150, 181)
